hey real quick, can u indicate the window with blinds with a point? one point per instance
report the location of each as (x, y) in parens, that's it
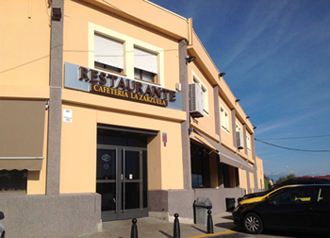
(224, 117)
(108, 54)
(205, 95)
(145, 65)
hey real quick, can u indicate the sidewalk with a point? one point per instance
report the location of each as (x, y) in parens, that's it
(156, 228)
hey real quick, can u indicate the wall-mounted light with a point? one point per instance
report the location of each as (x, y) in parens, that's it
(237, 100)
(254, 127)
(247, 117)
(56, 14)
(222, 74)
(190, 59)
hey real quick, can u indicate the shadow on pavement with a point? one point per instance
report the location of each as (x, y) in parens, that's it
(227, 217)
(201, 230)
(166, 234)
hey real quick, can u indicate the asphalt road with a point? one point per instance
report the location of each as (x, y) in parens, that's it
(239, 233)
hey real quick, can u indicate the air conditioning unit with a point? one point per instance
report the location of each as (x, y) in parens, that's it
(239, 140)
(196, 98)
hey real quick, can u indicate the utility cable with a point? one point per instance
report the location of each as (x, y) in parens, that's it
(288, 148)
(293, 138)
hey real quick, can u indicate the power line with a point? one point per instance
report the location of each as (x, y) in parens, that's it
(288, 148)
(293, 138)
(29, 62)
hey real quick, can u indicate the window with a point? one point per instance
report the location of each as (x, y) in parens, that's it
(324, 195)
(13, 181)
(248, 142)
(200, 167)
(224, 119)
(108, 54)
(145, 65)
(294, 195)
(121, 54)
(205, 94)
(230, 176)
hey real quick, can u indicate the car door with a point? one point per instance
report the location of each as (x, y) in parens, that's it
(321, 210)
(290, 209)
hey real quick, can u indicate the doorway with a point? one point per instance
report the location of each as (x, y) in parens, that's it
(121, 176)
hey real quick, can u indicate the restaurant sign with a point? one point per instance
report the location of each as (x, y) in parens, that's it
(107, 84)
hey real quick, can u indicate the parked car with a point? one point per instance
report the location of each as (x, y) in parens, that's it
(2, 229)
(301, 180)
(293, 207)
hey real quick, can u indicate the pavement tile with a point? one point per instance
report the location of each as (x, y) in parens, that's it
(156, 228)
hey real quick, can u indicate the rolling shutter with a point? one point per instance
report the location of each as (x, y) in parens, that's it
(145, 60)
(108, 51)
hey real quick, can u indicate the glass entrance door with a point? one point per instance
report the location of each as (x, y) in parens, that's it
(122, 181)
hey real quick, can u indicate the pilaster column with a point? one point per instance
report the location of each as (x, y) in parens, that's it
(185, 107)
(55, 102)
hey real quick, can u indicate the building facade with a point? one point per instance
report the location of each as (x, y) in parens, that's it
(113, 110)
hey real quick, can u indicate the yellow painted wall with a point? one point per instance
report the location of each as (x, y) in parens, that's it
(154, 163)
(252, 181)
(78, 151)
(243, 179)
(260, 173)
(25, 44)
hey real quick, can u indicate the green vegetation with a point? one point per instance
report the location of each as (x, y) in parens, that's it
(282, 179)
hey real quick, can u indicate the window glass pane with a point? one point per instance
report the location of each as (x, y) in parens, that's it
(108, 192)
(106, 164)
(13, 180)
(132, 196)
(146, 76)
(197, 180)
(200, 167)
(132, 165)
(293, 196)
(137, 73)
(108, 67)
(324, 195)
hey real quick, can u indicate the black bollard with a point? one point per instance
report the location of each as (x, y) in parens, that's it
(134, 231)
(176, 229)
(209, 222)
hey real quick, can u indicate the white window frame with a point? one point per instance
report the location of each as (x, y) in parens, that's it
(129, 43)
(197, 80)
(224, 118)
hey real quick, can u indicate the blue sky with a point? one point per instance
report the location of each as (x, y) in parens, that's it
(276, 56)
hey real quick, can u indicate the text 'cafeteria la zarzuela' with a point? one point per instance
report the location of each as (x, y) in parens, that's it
(125, 88)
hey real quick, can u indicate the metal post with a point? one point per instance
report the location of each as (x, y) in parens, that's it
(134, 231)
(209, 222)
(176, 230)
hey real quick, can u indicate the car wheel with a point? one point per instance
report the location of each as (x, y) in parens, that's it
(252, 223)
